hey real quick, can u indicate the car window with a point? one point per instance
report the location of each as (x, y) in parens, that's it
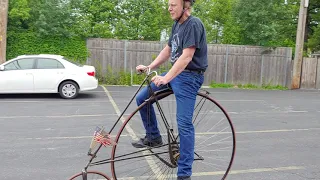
(20, 64)
(49, 64)
(73, 62)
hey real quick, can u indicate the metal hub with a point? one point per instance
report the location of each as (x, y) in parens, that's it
(174, 152)
(69, 90)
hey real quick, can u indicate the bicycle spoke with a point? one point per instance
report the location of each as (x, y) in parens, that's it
(134, 170)
(220, 149)
(91, 175)
(219, 167)
(217, 143)
(209, 138)
(216, 158)
(214, 142)
(122, 159)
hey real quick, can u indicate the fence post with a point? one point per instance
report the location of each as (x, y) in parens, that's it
(131, 75)
(286, 68)
(226, 66)
(125, 56)
(261, 72)
(87, 60)
(318, 73)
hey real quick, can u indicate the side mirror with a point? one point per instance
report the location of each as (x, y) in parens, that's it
(1, 67)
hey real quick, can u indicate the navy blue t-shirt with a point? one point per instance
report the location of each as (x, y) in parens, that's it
(190, 33)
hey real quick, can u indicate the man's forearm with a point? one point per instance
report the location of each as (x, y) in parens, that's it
(162, 57)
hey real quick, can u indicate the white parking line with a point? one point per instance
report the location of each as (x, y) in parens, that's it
(204, 133)
(59, 101)
(241, 100)
(277, 130)
(59, 116)
(21, 101)
(215, 173)
(266, 112)
(267, 170)
(58, 138)
(104, 115)
(149, 159)
(128, 127)
(292, 111)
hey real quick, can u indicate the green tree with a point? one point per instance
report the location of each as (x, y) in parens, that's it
(50, 17)
(142, 20)
(19, 13)
(313, 27)
(43, 26)
(94, 18)
(215, 14)
(266, 23)
(314, 41)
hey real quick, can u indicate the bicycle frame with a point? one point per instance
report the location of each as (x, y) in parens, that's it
(152, 93)
(173, 144)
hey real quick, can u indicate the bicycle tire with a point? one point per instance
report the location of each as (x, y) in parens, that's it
(91, 175)
(131, 167)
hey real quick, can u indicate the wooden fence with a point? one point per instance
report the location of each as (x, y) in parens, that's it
(310, 75)
(233, 64)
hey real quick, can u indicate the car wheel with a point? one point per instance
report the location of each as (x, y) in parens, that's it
(68, 90)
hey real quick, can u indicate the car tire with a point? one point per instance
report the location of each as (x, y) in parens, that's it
(69, 90)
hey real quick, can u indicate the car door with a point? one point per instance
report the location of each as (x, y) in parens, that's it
(17, 76)
(48, 74)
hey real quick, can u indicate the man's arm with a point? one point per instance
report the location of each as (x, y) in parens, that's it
(161, 58)
(181, 63)
(177, 68)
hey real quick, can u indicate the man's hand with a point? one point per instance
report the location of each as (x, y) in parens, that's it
(141, 68)
(159, 80)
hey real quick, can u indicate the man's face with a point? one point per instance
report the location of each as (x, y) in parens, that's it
(175, 8)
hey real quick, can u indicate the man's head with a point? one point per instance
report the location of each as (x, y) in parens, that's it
(178, 7)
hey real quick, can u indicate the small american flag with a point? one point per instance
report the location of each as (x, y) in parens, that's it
(103, 137)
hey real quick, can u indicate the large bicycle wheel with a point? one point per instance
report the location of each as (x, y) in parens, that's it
(214, 142)
(91, 175)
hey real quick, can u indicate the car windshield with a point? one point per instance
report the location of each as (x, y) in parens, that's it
(73, 62)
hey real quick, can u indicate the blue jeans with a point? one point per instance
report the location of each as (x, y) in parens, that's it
(185, 87)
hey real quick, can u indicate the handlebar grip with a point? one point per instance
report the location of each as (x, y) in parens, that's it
(147, 71)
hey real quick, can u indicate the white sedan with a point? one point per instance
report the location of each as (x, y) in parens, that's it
(46, 73)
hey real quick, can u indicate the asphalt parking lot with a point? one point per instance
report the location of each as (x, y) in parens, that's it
(45, 137)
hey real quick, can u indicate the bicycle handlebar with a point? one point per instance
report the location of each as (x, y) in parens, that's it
(148, 72)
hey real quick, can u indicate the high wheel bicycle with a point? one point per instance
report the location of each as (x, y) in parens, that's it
(215, 141)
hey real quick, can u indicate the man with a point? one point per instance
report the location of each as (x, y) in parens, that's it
(187, 50)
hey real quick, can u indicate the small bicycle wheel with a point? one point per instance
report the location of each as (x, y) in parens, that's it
(214, 142)
(91, 175)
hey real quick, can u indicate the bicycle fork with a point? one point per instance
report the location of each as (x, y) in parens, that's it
(84, 174)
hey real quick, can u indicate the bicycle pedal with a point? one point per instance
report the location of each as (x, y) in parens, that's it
(176, 156)
(174, 147)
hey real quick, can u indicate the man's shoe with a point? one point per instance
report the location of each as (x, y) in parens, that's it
(145, 142)
(184, 178)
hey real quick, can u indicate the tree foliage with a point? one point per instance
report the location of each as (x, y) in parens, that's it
(94, 18)
(142, 20)
(19, 13)
(266, 23)
(313, 28)
(245, 22)
(215, 14)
